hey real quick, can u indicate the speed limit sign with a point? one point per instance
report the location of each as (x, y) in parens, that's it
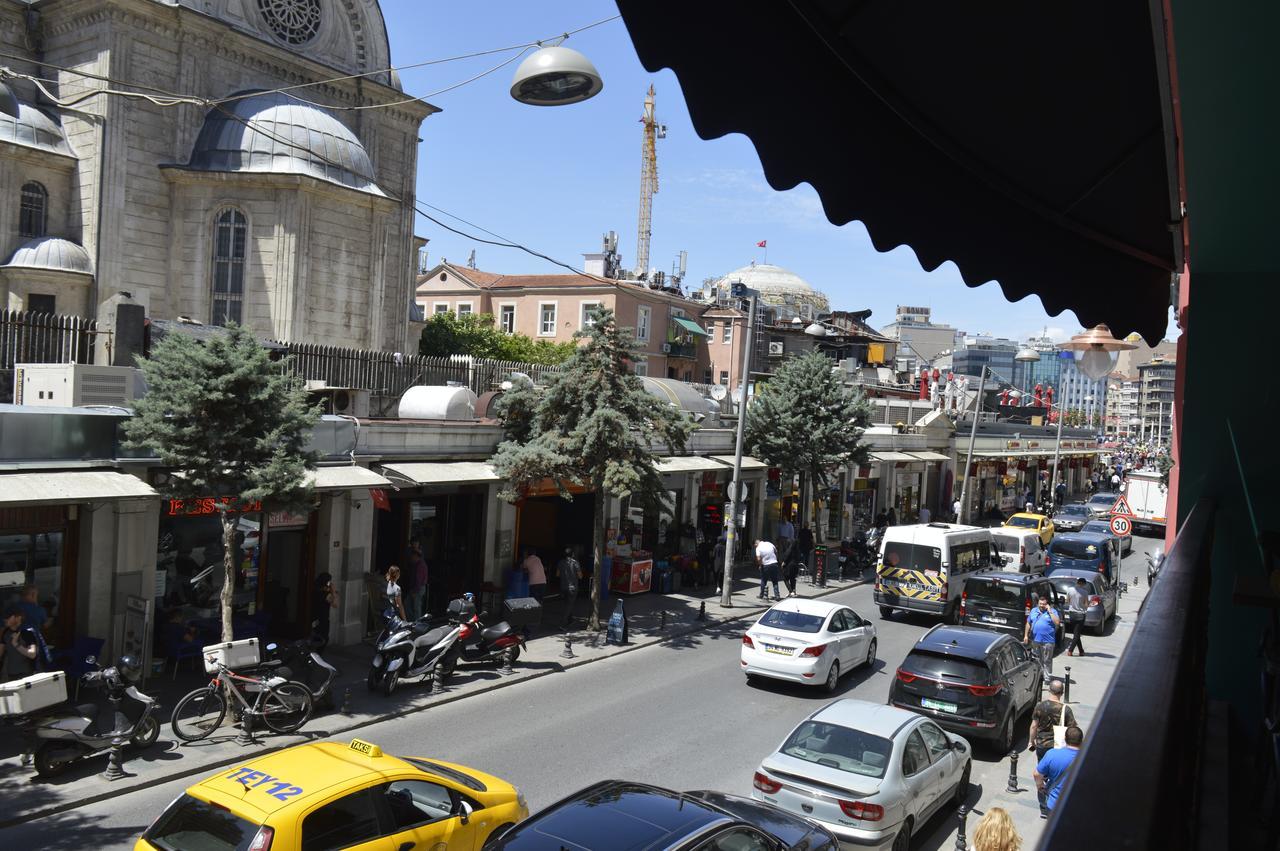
(1121, 525)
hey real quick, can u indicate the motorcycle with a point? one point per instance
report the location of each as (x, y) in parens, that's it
(1155, 561)
(63, 734)
(299, 661)
(407, 649)
(477, 642)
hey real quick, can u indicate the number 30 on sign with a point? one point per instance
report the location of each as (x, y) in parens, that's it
(1121, 525)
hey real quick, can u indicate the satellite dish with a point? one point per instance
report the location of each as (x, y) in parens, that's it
(719, 392)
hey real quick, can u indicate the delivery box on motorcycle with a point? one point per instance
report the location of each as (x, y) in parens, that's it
(523, 611)
(461, 610)
(234, 654)
(20, 697)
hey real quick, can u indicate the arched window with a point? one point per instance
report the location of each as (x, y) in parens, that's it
(230, 234)
(34, 215)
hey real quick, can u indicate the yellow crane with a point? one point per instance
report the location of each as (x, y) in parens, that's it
(648, 182)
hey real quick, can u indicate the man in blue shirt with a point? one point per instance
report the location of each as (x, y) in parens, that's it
(1042, 631)
(1051, 772)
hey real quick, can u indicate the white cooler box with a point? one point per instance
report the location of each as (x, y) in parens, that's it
(37, 691)
(233, 654)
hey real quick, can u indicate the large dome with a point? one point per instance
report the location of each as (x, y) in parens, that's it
(32, 128)
(53, 254)
(777, 285)
(274, 133)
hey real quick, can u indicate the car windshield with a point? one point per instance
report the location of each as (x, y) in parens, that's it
(994, 592)
(839, 747)
(1097, 526)
(1075, 511)
(912, 556)
(942, 666)
(193, 825)
(1102, 499)
(1069, 548)
(1022, 522)
(791, 621)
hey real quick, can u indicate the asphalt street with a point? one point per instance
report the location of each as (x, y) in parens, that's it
(678, 714)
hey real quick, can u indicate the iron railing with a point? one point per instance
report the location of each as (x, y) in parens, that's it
(30, 337)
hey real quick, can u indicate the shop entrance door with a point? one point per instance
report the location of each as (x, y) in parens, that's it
(285, 583)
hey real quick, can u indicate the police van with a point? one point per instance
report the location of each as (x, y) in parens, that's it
(922, 568)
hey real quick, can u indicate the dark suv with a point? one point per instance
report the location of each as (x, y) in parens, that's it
(971, 681)
(1001, 600)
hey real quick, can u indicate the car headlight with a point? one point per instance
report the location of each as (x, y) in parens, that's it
(520, 800)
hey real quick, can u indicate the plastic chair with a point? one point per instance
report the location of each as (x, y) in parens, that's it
(72, 660)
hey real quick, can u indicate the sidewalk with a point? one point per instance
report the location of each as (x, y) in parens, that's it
(28, 798)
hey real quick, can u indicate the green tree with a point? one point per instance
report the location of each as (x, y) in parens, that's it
(593, 426)
(231, 424)
(475, 334)
(807, 421)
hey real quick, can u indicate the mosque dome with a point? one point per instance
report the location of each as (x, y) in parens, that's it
(51, 253)
(273, 133)
(32, 128)
(778, 286)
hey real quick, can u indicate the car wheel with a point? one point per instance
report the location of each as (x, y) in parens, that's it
(833, 677)
(962, 788)
(886, 612)
(871, 655)
(1005, 742)
(902, 842)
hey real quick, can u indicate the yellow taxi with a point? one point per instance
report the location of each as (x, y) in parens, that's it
(1038, 523)
(326, 795)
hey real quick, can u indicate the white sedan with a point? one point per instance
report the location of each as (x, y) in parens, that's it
(809, 642)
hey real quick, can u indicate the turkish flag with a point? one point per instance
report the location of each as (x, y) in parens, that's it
(380, 500)
(761, 243)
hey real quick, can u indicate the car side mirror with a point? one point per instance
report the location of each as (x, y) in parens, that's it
(464, 812)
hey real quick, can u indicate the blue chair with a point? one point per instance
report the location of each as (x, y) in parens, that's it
(72, 660)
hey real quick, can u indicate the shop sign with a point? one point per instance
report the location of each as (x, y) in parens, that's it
(203, 506)
(286, 520)
(1013, 444)
(1033, 444)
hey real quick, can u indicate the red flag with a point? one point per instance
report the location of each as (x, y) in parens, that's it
(380, 500)
(761, 243)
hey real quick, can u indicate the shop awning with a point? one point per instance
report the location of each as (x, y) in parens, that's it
(691, 326)
(443, 472)
(886, 455)
(346, 477)
(930, 456)
(688, 464)
(68, 486)
(748, 463)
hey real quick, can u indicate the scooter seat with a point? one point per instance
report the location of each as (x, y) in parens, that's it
(493, 633)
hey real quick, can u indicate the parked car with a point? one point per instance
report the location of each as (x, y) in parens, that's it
(1001, 600)
(922, 566)
(1071, 517)
(1036, 522)
(1103, 598)
(871, 774)
(1022, 549)
(619, 813)
(1100, 504)
(1123, 543)
(971, 681)
(1082, 551)
(808, 641)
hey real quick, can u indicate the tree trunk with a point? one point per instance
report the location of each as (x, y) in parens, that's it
(802, 510)
(601, 513)
(817, 513)
(229, 571)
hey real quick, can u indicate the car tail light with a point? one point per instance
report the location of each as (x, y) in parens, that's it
(964, 596)
(904, 677)
(1022, 554)
(747, 642)
(862, 811)
(814, 651)
(262, 840)
(765, 783)
(1095, 600)
(984, 691)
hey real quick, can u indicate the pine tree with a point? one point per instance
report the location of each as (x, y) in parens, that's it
(807, 421)
(594, 426)
(230, 423)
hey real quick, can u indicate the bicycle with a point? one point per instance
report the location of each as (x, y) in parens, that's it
(283, 707)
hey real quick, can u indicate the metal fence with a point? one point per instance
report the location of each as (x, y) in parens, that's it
(30, 337)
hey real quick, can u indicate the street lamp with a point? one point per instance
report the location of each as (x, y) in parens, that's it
(735, 487)
(1027, 355)
(1095, 352)
(555, 76)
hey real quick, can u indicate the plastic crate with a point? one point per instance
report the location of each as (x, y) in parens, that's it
(234, 654)
(523, 611)
(29, 694)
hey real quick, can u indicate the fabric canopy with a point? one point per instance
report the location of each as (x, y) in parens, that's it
(690, 326)
(892, 456)
(68, 486)
(442, 473)
(344, 478)
(688, 464)
(1030, 143)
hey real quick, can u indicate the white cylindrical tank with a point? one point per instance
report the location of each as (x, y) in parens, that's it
(437, 403)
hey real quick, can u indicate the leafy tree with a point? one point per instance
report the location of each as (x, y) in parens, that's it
(475, 334)
(806, 421)
(593, 426)
(231, 424)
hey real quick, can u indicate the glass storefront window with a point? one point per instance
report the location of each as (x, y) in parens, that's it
(34, 558)
(189, 571)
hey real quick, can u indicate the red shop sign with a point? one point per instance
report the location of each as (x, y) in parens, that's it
(205, 505)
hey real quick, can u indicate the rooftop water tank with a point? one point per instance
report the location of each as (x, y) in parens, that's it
(437, 403)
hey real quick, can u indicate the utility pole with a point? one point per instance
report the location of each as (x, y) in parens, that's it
(1057, 450)
(735, 488)
(973, 436)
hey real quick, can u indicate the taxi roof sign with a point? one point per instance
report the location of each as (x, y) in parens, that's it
(1122, 508)
(366, 748)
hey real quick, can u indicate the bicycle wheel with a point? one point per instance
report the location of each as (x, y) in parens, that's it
(286, 707)
(198, 714)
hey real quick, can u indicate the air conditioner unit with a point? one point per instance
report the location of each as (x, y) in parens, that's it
(775, 350)
(349, 401)
(76, 384)
(666, 348)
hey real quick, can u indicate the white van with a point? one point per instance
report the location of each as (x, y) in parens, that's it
(1023, 548)
(922, 567)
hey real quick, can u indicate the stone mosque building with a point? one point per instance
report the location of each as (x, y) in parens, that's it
(778, 287)
(289, 212)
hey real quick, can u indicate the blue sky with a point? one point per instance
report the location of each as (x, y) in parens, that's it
(555, 179)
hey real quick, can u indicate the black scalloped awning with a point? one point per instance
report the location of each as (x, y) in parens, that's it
(1030, 143)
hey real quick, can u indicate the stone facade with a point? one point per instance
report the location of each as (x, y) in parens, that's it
(325, 259)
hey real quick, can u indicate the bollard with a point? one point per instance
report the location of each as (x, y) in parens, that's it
(702, 611)
(507, 661)
(568, 647)
(346, 702)
(1013, 771)
(663, 626)
(962, 812)
(246, 739)
(114, 769)
(1066, 687)
(437, 680)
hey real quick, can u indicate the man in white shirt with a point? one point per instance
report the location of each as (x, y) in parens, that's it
(767, 559)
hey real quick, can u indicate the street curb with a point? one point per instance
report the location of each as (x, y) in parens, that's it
(438, 700)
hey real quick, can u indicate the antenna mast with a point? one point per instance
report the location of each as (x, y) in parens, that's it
(648, 183)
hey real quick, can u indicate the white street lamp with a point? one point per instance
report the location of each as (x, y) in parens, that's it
(1027, 355)
(555, 76)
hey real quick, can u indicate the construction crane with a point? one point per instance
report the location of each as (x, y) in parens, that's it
(648, 183)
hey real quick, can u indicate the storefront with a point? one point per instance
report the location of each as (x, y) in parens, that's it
(38, 548)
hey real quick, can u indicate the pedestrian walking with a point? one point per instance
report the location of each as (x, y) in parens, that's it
(1041, 631)
(324, 602)
(891, 518)
(416, 565)
(1060, 494)
(955, 509)
(1029, 499)
(395, 597)
(537, 575)
(882, 519)
(18, 647)
(1048, 715)
(925, 514)
(995, 832)
(767, 560)
(805, 543)
(1052, 769)
(570, 574)
(786, 530)
(790, 557)
(1077, 606)
(1115, 481)
(717, 563)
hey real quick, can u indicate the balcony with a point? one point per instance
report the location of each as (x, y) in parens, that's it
(680, 349)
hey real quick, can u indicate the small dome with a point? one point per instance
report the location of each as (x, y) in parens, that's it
(53, 253)
(34, 129)
(777, 285)
(274, 133)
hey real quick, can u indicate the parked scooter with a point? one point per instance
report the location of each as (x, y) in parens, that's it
(477, 642)
(62, 734)
(300, 662)
(407, 649)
